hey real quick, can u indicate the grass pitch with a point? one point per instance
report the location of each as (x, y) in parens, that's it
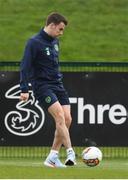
(34, 169)
(97, 29)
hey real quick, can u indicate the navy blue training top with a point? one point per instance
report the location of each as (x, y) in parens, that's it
(40, 62)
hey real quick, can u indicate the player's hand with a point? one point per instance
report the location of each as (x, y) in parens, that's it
(24, 96)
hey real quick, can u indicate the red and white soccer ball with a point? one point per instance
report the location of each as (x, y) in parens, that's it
(91, 156)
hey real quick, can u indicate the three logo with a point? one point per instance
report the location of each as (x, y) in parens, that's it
(28, 118)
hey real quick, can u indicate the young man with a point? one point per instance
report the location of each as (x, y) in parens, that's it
(40, 67)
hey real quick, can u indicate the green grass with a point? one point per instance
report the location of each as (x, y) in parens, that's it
(97, 29)
(34, 169)
(27, 163)
(40, 151)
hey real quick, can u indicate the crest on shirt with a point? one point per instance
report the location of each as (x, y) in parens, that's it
(56, 47)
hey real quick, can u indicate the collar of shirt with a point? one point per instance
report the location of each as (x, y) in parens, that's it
(46, 36)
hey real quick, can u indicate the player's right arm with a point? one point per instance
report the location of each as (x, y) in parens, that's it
(24, 96)
(25, 69)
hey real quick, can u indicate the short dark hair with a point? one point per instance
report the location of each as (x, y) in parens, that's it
(56, 18)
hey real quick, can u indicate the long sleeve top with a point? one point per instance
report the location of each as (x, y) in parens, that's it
(40, 62)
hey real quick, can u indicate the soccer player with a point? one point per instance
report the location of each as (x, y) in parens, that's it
(40, 67)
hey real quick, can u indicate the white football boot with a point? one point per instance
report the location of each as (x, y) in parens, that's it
(54, 162)
(71, 159)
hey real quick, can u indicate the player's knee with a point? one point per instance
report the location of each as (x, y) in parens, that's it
(68, 121)
(60, 120)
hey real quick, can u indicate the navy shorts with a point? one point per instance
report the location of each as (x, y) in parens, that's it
(50, 93)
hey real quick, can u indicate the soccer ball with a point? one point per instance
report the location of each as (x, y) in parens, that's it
(91, 156)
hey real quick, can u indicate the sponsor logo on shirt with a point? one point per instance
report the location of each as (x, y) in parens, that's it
(47, 51)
